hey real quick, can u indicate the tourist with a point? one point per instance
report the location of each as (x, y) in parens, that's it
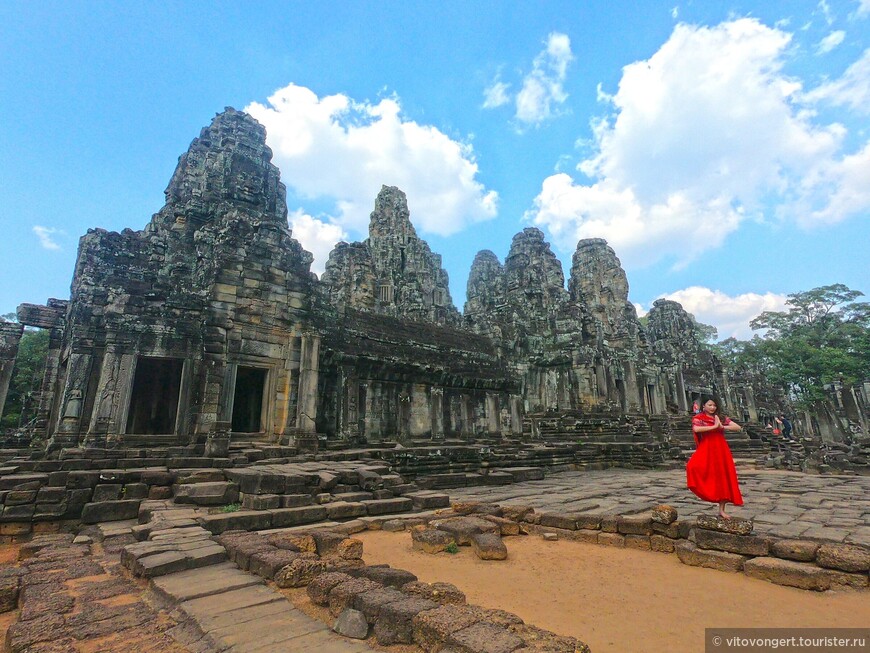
(786, 427)
(710, 472)
(695, 408)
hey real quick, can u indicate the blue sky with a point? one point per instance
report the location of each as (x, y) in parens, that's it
(722, 148)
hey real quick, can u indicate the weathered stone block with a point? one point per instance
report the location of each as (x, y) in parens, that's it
(296, 501)
(661, 543)
(589, 522)
(488, 546)
(107, 492)
(734, 525)
(553, 520)
(634, 525)
(431, 540)
(267, 563)
(641, 542)
(300, 572)
(485, 638)
(668, 530)
(689, 554)
(384, 575)
(246, 520)
(441, 593)
(462, 528)
(798, 550)
(8, 593)
(388, 506)
(351, 623)
(369, 603)
(342, 595)
(93, 513)
(427, 500)
(345, 510)
(786, 572)
(664, 514)
(506, 526)
(20, 497)
(743, 544)
(611, 539)
(395, 620)
(217, 493)
(318, 589)
(432, 628)
(350, 549)
(284, 517)
(845, 557)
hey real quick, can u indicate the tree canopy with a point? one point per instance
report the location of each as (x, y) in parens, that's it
(823, 338)
(26, 376)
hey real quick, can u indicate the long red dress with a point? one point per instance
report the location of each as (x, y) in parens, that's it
(710, 472)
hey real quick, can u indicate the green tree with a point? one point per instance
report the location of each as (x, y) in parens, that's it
(823, 337)
(26, 376)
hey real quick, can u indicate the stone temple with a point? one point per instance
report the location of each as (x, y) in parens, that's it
(209, 323)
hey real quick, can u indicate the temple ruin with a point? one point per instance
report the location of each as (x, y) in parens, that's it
(209, 323)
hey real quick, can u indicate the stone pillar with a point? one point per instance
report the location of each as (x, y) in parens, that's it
(10, 337)
(516, 415)
(309, 368)
(420, 412)
(437, 412)
(682, 399)
(349, 409)
(632, 389)
(465, 417)
(492, 414)
(751, 407)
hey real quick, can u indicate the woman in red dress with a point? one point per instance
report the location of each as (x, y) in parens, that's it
(710, 472)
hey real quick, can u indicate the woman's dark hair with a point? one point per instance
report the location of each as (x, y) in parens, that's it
(704, 399)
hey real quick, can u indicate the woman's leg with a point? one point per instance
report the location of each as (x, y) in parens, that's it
(722, 510)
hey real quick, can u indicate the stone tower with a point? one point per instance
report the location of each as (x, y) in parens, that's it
(393, 272)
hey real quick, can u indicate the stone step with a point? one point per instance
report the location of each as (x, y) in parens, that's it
(213, 493)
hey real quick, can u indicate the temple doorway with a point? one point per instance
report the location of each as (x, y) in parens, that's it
(248, 400)
(154, 399)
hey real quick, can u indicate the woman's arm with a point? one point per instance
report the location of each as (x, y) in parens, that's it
(703, 429)
(732, 426)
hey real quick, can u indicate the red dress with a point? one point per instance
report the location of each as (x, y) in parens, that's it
(710, 472)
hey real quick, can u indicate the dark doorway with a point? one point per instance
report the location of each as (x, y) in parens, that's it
(248, 400)
(154, 400)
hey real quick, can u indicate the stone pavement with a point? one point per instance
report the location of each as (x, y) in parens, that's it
(784, 504)
(223, 609)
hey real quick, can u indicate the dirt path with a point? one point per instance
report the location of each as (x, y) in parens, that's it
(619, 599)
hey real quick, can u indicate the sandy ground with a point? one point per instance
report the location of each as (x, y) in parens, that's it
(619, 599)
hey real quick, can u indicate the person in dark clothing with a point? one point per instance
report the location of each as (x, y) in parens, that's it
(786, 427)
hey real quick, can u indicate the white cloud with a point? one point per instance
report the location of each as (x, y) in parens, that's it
(831, 41)
(833, 191)
(44, 234)
(707, 133)
(543, 88)
(675, 12)
(863, 8)
(826, 11)
(334, 148)
(852, 89)
(317, 236)
(729, 314)
(496, 94)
